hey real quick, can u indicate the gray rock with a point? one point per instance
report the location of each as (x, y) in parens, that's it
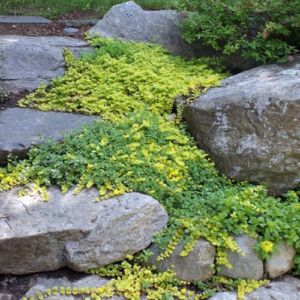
(129, 21)
(7, 296)
(43, 283)
(286, 289)
(20, 128)
(224, 296)
(26, 61)
(246, 264)
(70, 30)
(23, 20)
(73, 230)
(281, 262)
(250, 126)
(198, 265)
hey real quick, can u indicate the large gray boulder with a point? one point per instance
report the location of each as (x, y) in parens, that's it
(130, 22)
(74, 231)
(27, 61)
(21, 128)
(250, 125)
(286, 289)
(246, 264)
(197, 265)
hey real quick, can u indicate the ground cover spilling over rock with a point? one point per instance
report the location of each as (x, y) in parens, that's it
(200, 203)
(250, 126)
(147, 152)
(26, 62)
(139, 74)
(285, 289)
(21, 128)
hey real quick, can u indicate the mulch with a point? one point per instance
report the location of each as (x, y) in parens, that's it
(12, 100)
(55, 28)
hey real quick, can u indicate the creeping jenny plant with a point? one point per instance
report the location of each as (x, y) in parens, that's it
(137, 148)
(121, 77)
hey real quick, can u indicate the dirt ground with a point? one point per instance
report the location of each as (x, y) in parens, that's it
(54, 28)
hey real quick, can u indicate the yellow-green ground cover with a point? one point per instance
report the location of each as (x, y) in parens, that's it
(137, 148)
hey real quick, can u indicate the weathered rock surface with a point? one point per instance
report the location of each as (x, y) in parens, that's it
(286, 289)
(23, 20)
(198, 265)
(20, 128)
(129, 21)
(26, 61)
(281, 262)
(70, 30)
(250, 126)
(7, 296)
(73, 230)
(245, 265)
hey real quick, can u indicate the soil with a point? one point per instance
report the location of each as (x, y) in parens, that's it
(11, 100)
(54, 28)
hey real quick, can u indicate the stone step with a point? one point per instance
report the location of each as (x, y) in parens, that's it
(28, 61)
(23, 20)
(20, 128)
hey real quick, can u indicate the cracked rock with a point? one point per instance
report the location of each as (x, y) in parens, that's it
(74, 231)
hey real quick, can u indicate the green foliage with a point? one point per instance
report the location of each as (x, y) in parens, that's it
(137, 148)
(260, 30)
(133, 281)
(120, 77)
(146, 153)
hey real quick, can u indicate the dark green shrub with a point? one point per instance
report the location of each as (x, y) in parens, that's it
(267, 30)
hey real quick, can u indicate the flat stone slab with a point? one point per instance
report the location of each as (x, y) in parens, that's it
(74, 230)
(20, 128)
(28, 61)
(23, 20)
